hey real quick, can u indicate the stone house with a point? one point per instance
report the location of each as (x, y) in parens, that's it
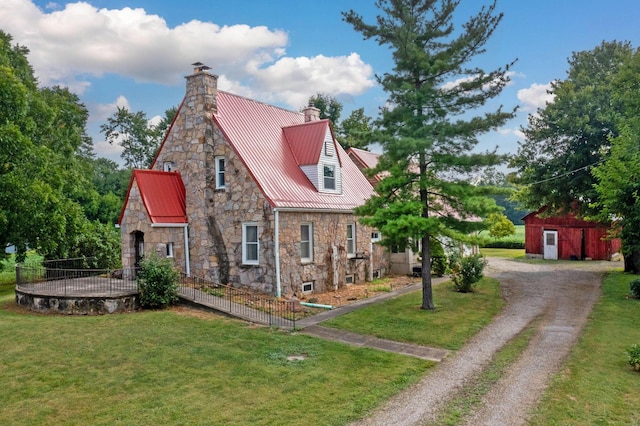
(250, 194)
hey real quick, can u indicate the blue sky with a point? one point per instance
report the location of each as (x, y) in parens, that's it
(135, 53)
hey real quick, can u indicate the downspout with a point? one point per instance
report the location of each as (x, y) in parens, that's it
(371, 261)
(277, 250)
(186, 251)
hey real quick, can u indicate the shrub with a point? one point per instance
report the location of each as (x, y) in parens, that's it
(504, 244)
(466, 271)
(634, 356)
(158, 283)
(634, 286)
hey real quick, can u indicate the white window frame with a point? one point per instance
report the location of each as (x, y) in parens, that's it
(169, 249)
(246, 244)
(307, 284)
(376, 236)
(350, 279)
(168, 166)
(308, 243)
(351, 240)
(331, 167)
(220, 162)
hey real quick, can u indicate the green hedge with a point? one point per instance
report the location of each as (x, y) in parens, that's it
(504, 244)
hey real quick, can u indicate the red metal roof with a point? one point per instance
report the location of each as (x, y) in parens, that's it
(367, 158)
(163, 195)
(256, 132)
(306, 141)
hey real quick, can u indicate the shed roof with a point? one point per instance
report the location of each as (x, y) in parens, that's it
(163, 195)
(273, 143)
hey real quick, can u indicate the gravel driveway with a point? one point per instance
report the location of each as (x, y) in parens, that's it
(559, 295)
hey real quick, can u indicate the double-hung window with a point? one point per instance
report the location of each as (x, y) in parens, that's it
(250, 244)
(329, 174)
(351, 239)
(306, 242)
(220, 173)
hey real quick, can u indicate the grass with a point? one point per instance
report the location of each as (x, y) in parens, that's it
(172, 367)
(457, 316)
(503, 253)
(8, 270)
(597, 385)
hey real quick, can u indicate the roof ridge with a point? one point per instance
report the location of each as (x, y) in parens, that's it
(259, 102)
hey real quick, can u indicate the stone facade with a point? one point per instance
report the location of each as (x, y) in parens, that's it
(216, 215)
(135, 219)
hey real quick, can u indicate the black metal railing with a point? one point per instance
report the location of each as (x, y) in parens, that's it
(244, 303)
(79, 282)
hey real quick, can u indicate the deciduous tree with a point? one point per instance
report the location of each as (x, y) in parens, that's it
(572, 133)
(430, 129)
(618, 177)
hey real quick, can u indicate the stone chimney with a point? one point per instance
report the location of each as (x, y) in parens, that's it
(202, 88)
(311, 113)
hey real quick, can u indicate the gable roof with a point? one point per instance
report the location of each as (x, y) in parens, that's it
(163, 195)
(262, 136)
(307, 140)
(368, 159)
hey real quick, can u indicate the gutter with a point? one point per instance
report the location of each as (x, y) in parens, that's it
(187, 261)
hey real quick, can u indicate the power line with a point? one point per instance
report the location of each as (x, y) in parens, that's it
(567, 173)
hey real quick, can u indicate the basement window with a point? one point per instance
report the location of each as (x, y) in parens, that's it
(169, 249)
(307, 287)
(349, 279)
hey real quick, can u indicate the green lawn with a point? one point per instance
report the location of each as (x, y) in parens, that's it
(597, 386)
(457, 316)
(167, 367)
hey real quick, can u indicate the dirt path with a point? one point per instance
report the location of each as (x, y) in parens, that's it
(559, 295)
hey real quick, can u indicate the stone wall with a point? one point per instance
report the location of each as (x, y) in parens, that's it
(136, 218)
(329, 231)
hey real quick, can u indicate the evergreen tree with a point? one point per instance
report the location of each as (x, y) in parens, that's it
(428, 132)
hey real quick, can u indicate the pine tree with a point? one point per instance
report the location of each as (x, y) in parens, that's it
(428, 132)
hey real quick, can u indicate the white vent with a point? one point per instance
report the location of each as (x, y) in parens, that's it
(307, 287)
(349, 279)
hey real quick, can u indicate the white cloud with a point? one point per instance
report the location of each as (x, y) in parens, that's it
(535, 96)
(100, 112)
(73, 44)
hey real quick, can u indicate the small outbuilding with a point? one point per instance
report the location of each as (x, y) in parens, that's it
(567, 237)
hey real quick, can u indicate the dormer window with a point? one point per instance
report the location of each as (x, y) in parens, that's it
(329, 175)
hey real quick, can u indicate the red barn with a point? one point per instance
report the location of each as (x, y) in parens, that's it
(567, 237)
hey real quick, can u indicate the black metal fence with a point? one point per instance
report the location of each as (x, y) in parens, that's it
(243, 303)
(67, 281)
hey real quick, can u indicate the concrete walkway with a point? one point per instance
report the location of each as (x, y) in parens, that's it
(309, 326)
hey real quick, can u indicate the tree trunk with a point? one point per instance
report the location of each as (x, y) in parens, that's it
(427, 291)
(632, 262)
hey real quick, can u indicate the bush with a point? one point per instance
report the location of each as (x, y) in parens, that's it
(158, 283)
(504, 244)
(634, 356)
(634, 286)
(466, 271)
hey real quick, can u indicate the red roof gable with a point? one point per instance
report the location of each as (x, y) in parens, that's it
(307, 141)
(256, 133)
(163, 195)
(367, 158)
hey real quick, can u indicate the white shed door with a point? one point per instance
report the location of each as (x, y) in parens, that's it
(550, 242)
